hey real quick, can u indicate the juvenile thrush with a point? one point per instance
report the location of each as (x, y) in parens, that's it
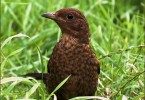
(72, 55)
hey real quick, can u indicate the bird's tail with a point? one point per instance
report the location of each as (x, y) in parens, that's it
(39, 76)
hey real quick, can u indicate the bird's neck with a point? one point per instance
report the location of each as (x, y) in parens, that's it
(82, 39)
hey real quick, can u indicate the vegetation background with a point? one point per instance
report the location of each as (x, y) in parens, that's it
(117, 29)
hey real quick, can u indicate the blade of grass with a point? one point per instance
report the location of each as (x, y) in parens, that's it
(59, 86)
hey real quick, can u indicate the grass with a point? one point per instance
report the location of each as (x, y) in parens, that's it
(117, 37)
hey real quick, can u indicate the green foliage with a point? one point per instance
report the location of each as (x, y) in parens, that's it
(117, 37)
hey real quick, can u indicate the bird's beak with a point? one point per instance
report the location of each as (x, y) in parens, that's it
(49, 15)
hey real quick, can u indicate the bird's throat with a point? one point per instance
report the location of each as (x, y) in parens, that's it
(83, 39)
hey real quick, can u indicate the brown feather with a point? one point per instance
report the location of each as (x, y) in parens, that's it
(72, 55)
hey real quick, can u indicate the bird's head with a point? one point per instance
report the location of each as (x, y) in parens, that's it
(71, 21)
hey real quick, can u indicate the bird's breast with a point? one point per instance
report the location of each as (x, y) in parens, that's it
(70, 57)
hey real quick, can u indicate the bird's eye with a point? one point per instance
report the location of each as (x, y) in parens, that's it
(70, 16)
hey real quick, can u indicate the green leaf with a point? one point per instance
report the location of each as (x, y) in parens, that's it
(59, 86)
(10, 38)
(139, 97)
(33, 89)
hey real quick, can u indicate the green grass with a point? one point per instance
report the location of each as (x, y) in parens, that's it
(117, 37)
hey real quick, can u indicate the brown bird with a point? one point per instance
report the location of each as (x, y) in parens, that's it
(72, 55)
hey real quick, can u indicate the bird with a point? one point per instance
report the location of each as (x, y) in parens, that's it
(72, 55)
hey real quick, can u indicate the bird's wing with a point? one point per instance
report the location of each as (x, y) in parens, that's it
(94, 62)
